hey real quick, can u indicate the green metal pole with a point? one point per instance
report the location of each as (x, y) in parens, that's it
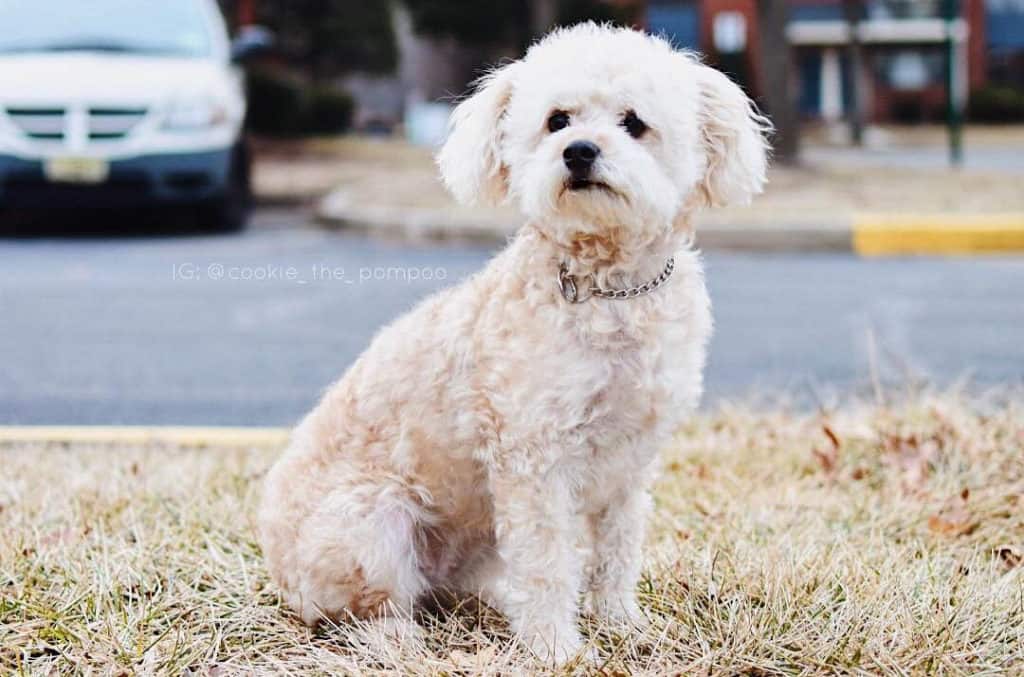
(853, 11)
(954, 98)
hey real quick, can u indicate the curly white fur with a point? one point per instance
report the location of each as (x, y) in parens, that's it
(498, 439)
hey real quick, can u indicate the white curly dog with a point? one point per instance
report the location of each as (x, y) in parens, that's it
(500, 438)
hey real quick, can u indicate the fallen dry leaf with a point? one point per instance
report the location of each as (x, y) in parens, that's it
(827, 460)
(1010, 556)
(831, 435)
(953, 523)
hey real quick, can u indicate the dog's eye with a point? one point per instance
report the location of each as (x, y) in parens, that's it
(558, 120)
(634, 125)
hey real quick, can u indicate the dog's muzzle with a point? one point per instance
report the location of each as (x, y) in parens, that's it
(579, 158)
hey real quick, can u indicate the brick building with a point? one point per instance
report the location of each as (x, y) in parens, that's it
(903, 72)
(903, 41)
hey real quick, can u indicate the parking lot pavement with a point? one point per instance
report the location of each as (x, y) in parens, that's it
(248, 329)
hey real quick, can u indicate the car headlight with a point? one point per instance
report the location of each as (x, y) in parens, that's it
(196, 114)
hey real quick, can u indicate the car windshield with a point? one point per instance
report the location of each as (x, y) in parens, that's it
(162, 27)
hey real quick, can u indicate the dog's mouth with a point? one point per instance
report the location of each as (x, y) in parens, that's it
(579, 185)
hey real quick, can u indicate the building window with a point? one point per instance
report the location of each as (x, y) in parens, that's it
(910, 70)
(904, 9)
(677, 21)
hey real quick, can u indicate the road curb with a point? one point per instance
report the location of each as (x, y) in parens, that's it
(177, 436)
(959, 234)
(340, 212)
(865, 234)
(774, 238)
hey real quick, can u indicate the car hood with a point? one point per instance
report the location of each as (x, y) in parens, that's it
(95, 78)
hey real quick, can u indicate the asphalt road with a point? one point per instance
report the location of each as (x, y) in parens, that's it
(248, 329)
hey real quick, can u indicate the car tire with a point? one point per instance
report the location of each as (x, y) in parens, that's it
(229, 212)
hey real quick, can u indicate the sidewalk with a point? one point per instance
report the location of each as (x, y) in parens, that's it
(889, 197)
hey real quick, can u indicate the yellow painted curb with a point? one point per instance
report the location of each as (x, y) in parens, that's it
(141, 435)
(889, 234)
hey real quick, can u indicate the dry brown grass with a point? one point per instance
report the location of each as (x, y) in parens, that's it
(884, 540)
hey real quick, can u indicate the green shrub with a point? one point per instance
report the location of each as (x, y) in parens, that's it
(283, 105)
(995, 103)
(276, 103)
(328, 111)
(571, 12)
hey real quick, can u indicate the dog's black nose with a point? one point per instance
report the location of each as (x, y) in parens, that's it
(579, 156)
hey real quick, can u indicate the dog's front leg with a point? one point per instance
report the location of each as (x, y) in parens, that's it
(538, 582)
(618, 531)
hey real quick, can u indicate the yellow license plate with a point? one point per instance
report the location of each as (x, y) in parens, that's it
(77, 170)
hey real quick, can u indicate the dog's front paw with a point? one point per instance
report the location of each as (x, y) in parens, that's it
(620, 613)
(560, 649)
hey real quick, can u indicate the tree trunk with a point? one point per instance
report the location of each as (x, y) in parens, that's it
(853, 10)
(543, 15)
(246, 13)
(776, 63)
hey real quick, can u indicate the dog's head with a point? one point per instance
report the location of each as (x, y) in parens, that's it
(599, 125)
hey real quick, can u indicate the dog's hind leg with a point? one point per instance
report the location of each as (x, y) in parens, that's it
(357, 555)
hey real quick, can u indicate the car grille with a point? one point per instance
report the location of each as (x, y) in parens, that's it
(46, 124)
(107, 124)
(94, 124)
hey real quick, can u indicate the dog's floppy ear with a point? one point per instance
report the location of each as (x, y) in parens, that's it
(470, 160)
(733, 133)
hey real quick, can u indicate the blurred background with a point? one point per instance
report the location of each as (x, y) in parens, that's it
(865, 62)
(208, 208)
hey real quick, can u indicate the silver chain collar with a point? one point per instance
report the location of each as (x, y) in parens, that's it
(570, 285)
